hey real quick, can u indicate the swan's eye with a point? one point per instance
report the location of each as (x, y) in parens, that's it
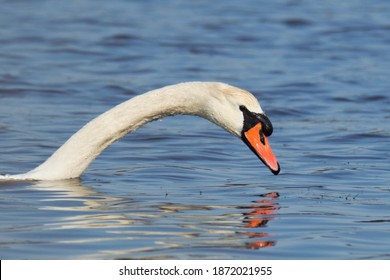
(251, 119)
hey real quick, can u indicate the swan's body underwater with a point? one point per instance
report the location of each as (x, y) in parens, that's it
(233, 109)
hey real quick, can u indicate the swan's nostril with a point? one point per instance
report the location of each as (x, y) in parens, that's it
(262, 139)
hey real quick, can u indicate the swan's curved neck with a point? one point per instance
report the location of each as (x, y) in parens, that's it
(75, 155)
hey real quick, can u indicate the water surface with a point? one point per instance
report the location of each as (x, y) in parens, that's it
(182, 188)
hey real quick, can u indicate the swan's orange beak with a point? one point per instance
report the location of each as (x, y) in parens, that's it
(258, 142)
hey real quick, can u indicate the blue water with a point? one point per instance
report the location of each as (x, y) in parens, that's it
(182, 188)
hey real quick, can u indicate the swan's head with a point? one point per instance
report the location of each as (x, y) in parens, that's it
(239, 112)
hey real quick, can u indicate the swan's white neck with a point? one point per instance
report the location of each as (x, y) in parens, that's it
(74, 157)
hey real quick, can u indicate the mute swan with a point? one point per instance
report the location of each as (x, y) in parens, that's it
(233, 109)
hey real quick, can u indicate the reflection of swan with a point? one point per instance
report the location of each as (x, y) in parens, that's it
(80, 197)
(187, 228)
(258, 217)
(234, 109)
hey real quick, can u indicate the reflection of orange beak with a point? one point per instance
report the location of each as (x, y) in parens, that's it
(258, 142)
